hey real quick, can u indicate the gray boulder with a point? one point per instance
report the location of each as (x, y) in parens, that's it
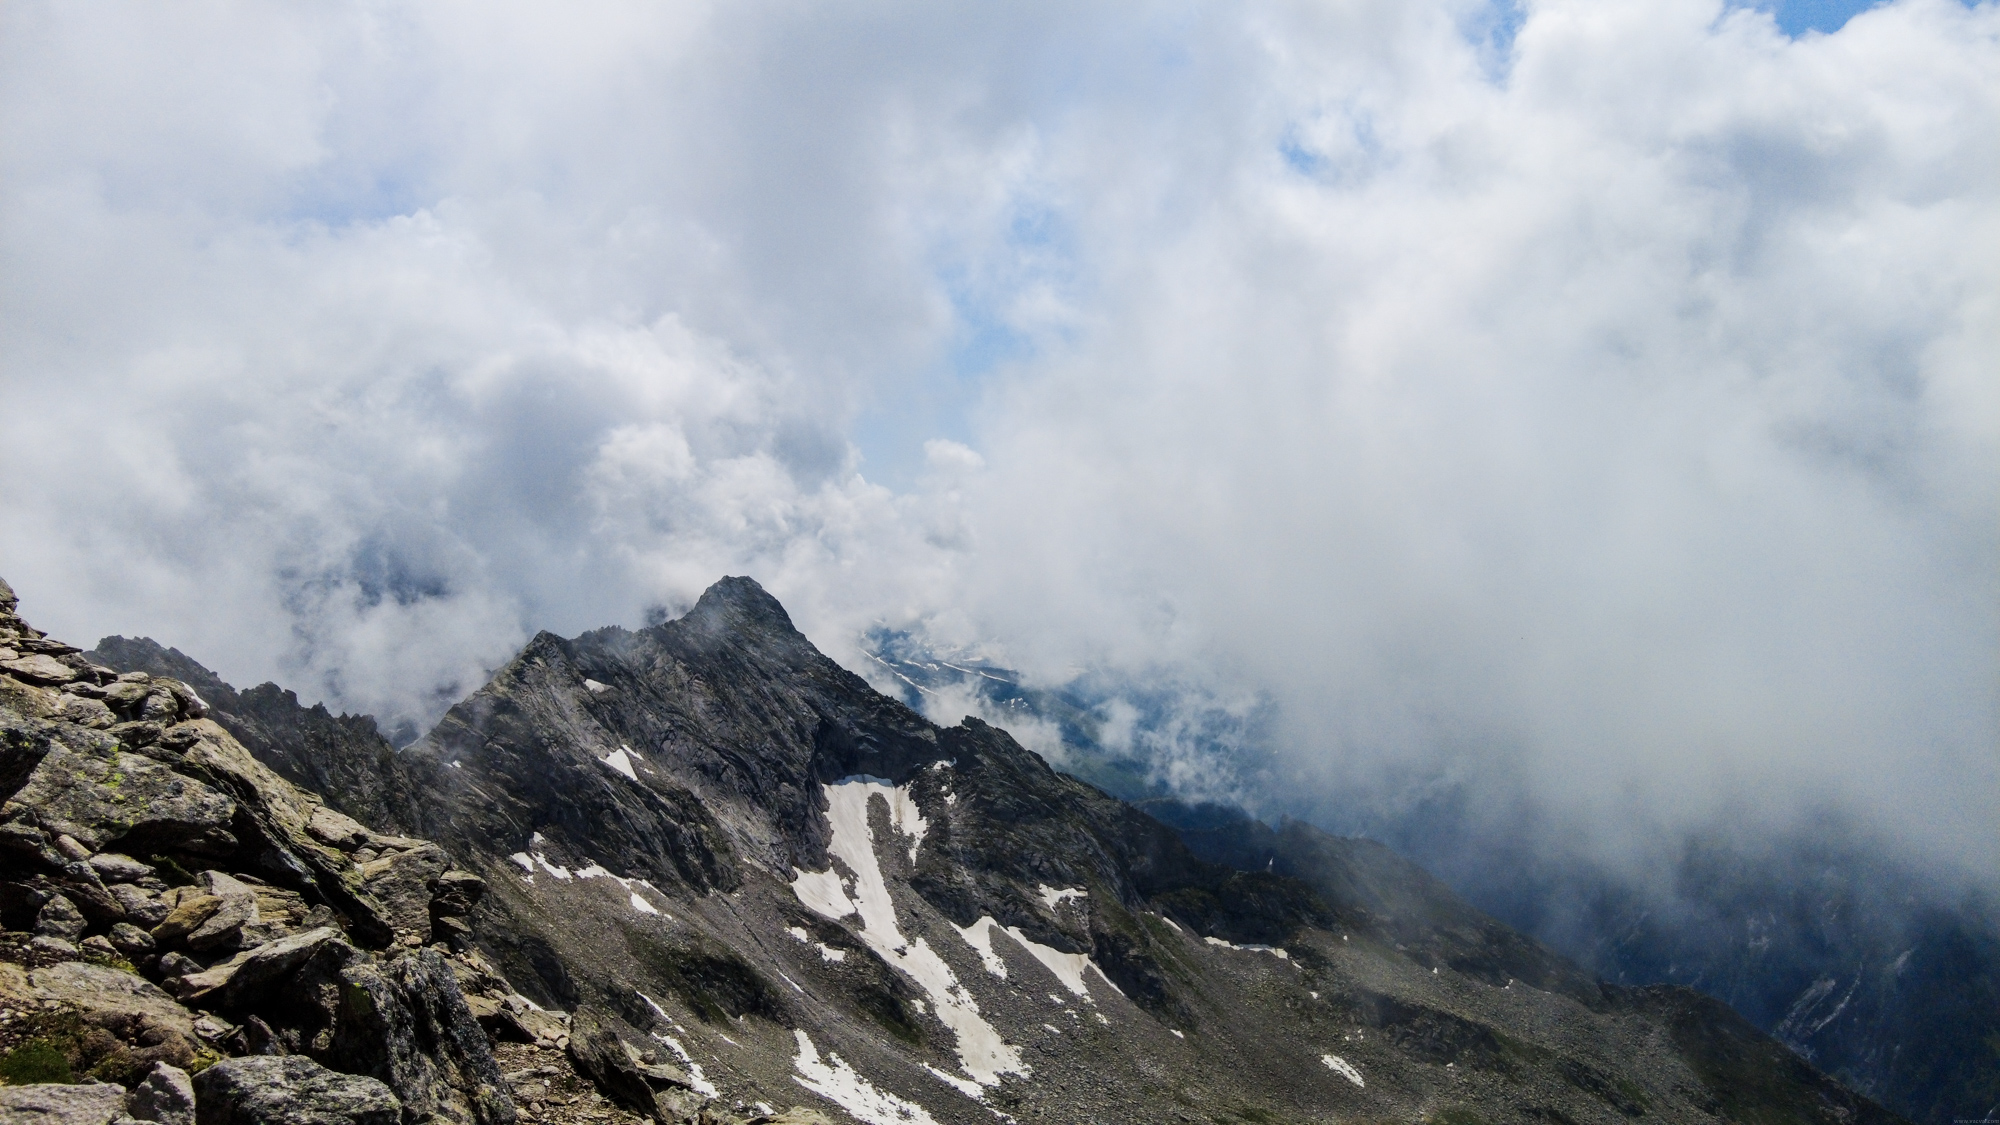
(290, 1090)
(39, 669)
(165, 1095)
(660, 1090)
(237, 910)
(244, 975)
(130, 939)
(59, 918)
(85, 712)
(456, 894)
(402, 881)
(115, 868)
(116, 796)
(188, 914)
(140, 906)
(61, 1105)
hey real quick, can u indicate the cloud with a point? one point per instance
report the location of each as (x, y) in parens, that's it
(1601, 417)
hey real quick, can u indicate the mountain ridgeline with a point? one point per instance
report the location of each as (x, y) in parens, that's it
(740, 878)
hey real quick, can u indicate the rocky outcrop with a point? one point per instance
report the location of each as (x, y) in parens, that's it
(170, 901)
(291, 1090)
(343, 758)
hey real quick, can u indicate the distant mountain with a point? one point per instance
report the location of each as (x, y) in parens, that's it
(1869, 969)
(747, 877)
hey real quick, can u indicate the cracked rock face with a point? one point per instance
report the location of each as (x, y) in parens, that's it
(120, 797)
(291, 1090)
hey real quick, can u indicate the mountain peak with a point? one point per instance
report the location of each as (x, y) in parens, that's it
(740, 605)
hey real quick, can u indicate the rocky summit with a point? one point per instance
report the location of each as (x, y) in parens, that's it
(700, 872)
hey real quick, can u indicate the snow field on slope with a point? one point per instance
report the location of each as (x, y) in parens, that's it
(982, 1052)
(1270, 949)
(1067, 967)
(838, 1082)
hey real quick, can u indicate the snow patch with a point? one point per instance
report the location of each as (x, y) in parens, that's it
(822, 893)
(620, 761)
(591, 870)
(964, 1086)
(1068, 968)
(838, 1083)
(982, 1053)
(799, 934)
(1343, 1068)
(1270, 949)
(979, 936)
(696, 1079)
(658, 1012)
(1171, 922)
(596, 687)
(1054, 897)
(829, 954)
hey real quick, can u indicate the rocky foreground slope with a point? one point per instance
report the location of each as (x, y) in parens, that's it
(188, 936)
(752, 880)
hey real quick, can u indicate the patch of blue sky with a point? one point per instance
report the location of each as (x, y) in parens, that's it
(1803, 17)
(335, 201)
(1491, 28)
(1798, 17)
(1360, 149)
(1038, 249)
(1303, 160)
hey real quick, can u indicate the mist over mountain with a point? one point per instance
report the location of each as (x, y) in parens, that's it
(1882, 972)
(1552, 438)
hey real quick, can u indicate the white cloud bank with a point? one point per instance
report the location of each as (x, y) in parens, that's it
(1612, 415)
